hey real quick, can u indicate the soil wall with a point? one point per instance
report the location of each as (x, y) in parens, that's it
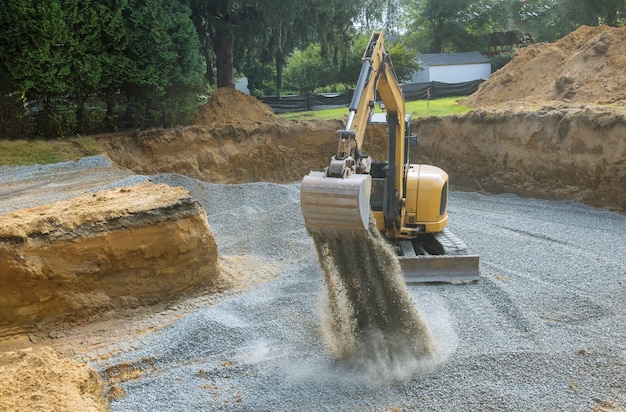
(576, 153)
(120, 248)
(563, 152)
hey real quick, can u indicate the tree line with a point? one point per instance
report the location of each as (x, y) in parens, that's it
(87, 66)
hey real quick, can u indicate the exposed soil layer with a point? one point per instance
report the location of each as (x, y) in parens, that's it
(557, 152)
(236, 139)
(107, 250)
(576, 153)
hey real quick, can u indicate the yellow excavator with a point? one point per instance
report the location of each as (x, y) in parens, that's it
(408, 201)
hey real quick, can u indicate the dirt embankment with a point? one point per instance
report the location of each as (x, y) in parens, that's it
(236, 139)
(114, 249)
(586, 66)
(576, 153)
(557, 152)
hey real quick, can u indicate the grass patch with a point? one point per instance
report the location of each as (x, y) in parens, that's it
(31, 152)
(418, 108)
(439, 107)
(326, 114)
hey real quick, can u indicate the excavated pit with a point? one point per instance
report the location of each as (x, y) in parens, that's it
(514, 141)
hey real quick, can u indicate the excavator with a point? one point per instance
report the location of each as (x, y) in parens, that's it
(409, 202)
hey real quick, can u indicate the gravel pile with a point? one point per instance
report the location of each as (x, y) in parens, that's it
(542, 330)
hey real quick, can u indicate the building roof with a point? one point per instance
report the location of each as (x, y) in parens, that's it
(447, 59)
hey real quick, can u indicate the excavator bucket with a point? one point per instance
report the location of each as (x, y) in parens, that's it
(440, 268)
(335, 204)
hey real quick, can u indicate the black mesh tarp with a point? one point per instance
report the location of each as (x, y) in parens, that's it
(413, 91)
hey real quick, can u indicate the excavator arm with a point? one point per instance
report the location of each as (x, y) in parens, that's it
(326, 201)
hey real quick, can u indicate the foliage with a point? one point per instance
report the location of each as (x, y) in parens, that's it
(308, 70)
(550, 20)
(79, 65)
(50, 52)
(166, 73)
(444, 26)
(437, 26)
(500, 60)
(251, 33)
(403, 58)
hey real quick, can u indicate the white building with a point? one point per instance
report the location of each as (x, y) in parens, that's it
(452, 68)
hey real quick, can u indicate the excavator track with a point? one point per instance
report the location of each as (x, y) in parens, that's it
(440, 257)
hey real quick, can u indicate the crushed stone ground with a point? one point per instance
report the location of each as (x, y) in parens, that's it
(543, 329)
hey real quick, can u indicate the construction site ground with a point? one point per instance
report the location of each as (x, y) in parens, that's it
(537, 191)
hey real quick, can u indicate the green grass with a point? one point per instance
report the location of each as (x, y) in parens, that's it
(419, 108)
(30, 152)
(439, 107)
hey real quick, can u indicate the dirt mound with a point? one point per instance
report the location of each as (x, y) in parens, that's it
(588, 65)
(69, 258)
(40, 381)
(238, 153)
(230, 106)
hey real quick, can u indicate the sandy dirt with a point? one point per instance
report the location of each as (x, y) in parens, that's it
(568, 149)
(38, 380)
(112, 249)
(586, 66)
(555, 151)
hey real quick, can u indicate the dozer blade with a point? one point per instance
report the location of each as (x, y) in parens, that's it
(440, 268)
(335, 204)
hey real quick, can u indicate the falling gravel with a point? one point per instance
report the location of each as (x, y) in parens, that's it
(370, 320)
(542, 330)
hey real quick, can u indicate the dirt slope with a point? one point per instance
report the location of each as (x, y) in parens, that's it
(575, 153)
(558, 152)
(98, 252)
(586, 66)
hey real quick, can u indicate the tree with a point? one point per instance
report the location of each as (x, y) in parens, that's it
(307, 70)
(268, 31)
(458, 25)
(220, 24)
(550, 20)
(165, 71)
(115, 64)
(67, 59)
(51, 54)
